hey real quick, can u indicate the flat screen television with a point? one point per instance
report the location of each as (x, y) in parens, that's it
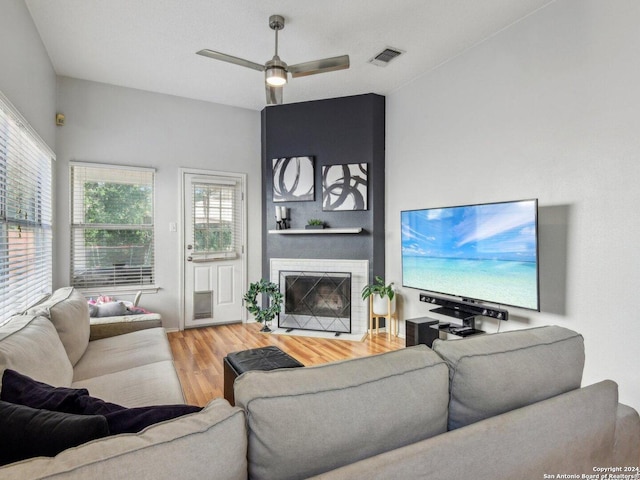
(481, 253)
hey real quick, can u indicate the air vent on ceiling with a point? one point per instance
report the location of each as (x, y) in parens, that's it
(384, 57)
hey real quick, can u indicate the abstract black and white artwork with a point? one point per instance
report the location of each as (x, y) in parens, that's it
(293, 179)
(344, 187)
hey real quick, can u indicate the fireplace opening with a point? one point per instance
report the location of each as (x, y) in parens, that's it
(316, 301)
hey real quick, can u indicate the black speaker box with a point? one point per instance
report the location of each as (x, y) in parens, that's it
(418, 331)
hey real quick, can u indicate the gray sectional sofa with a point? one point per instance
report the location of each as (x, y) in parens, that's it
(503, 406)
(499, 406)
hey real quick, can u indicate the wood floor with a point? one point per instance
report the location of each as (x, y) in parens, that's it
(198, 353)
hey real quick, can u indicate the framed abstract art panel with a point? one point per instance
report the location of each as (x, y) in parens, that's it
(293, 179)
(344, 187)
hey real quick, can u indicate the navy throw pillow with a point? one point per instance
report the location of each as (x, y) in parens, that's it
(132, 420)
(88, 405)
(27, 432)
(23, 390)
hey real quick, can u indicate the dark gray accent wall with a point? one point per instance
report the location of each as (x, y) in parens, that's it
(335, 131)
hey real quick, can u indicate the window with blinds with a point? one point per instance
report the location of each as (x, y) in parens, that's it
(112, 221)
(26, 249)
(216, 213)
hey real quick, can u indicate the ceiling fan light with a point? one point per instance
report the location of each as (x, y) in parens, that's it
(276, 76)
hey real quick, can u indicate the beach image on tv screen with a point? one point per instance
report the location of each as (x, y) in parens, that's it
(483, 252)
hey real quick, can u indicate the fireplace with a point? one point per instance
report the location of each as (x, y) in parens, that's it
(357, 269)
(316, 301)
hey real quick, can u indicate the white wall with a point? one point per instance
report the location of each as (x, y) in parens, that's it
(548, 108)
(27, 78)
(116, 125)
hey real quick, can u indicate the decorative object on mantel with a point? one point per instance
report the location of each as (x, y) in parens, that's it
(314, 224)
(275, 297)
(382, 303)
(282, 215)
(293, 179)
(344, 187)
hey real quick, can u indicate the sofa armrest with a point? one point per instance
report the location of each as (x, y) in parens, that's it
(209, 444)
(103, 327)
(627, 440)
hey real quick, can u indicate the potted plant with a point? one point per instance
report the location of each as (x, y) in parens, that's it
(380, 293)
(263, 315)
(314, 224)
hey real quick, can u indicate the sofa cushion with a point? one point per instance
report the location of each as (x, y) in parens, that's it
(30, 345)
(23, 390)
(493, 374)
(104, 327)
(122, 352)
(153, 384)
(304, 421)
(68, 310)
(27, 432)
(208, 444)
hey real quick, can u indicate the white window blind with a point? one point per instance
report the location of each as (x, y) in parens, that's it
(25, 213)
(112, 240)
(216, 215)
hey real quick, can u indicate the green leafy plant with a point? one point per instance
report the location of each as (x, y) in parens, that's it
(315, 221)
(378, 287)
(275, 300)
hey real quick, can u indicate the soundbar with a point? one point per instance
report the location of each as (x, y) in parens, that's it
(463, 310)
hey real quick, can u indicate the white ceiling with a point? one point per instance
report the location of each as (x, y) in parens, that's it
(151, 44)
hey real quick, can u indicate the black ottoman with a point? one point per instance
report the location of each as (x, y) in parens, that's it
(265, 358)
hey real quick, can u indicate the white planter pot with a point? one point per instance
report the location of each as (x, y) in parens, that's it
(381, 305)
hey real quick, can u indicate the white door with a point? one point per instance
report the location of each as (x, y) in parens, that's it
(214, 259)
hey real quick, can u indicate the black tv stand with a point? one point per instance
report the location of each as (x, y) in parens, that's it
(425, 330)
(459, 330)
(453, 312)
(468, 319)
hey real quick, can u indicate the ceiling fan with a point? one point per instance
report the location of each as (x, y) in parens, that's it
(276, 70)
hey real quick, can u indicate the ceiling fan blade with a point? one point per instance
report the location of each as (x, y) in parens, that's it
(319, 66)
(231, 59)
(274, 95)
